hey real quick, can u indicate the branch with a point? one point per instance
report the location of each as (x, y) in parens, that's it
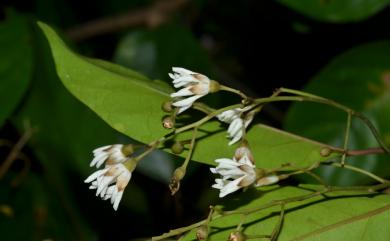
(155, 15)
(15, 152)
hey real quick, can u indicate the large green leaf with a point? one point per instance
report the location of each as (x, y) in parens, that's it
(336, 216)
(359, 78)
(67, 133)
(15, 62)
(335, 10)
(131, 104)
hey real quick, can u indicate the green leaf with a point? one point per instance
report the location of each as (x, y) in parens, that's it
(359, 78)
(15, 63)
(337, 11)
(336, 216)
(131, 105)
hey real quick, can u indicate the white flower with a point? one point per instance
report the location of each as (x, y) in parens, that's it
(194, 85)
(237, 122)
(237, 173)
(110, 182)
(111, 154)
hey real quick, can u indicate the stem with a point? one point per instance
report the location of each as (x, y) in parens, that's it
(373, 130)
(370, 189)
(14, 153)
(346, 139)
(364, 172)
(276, 231)
(178, 231)
(203, 108)
(151, 148)
(232, 90)
(376, 150)
(191, 149)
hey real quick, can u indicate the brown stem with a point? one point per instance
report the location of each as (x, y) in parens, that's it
(15, 151)
(376, 150)
(151, 16)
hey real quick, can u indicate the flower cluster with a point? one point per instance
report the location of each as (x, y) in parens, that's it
(238, 173)
(238, 122)
(193, 84)
(111, 181)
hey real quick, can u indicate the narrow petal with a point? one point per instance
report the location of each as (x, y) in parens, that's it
(95, 175)
(100, 149)
(230, 187)
(182, 71)
(183, 92)
(186, 101)
(118, 198)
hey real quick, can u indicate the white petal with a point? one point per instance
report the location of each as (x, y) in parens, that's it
(182, 71)
(101, 157)
(104, 183)
(186, 103)
(100, 149)
(183, 92)
(95, 175)
(235, 139)
(219, 183)
(230, 187)
(117, 200)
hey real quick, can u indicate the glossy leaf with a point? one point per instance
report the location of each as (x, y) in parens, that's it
(359, 78)
(15, 62)
(336, 216)
(131, 105)
(337, 11)
(67, 133)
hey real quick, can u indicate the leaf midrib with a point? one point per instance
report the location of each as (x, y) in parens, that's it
(343, 222)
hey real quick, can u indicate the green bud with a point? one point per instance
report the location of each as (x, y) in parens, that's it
(325, 152)
(237, 236)
(202, 232)
(167, 106)
(177, 147)
(178, 174)
(168, 122)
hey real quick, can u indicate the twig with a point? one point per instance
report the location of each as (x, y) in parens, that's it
(152, 16)
(377, 150)
(15, 151)
(329, 189)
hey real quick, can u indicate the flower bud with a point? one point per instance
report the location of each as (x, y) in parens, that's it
(236, 236)
(178, 174)
(168, 122)
(268, 180)
(167, 106)
(177, 147)
(325, 151)
(202, 232)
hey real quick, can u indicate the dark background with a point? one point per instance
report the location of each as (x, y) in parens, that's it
(253, 45)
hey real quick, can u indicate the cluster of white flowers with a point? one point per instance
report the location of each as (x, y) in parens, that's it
(194, 85)
(237, 122)
(110, 181)
(238, 173)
